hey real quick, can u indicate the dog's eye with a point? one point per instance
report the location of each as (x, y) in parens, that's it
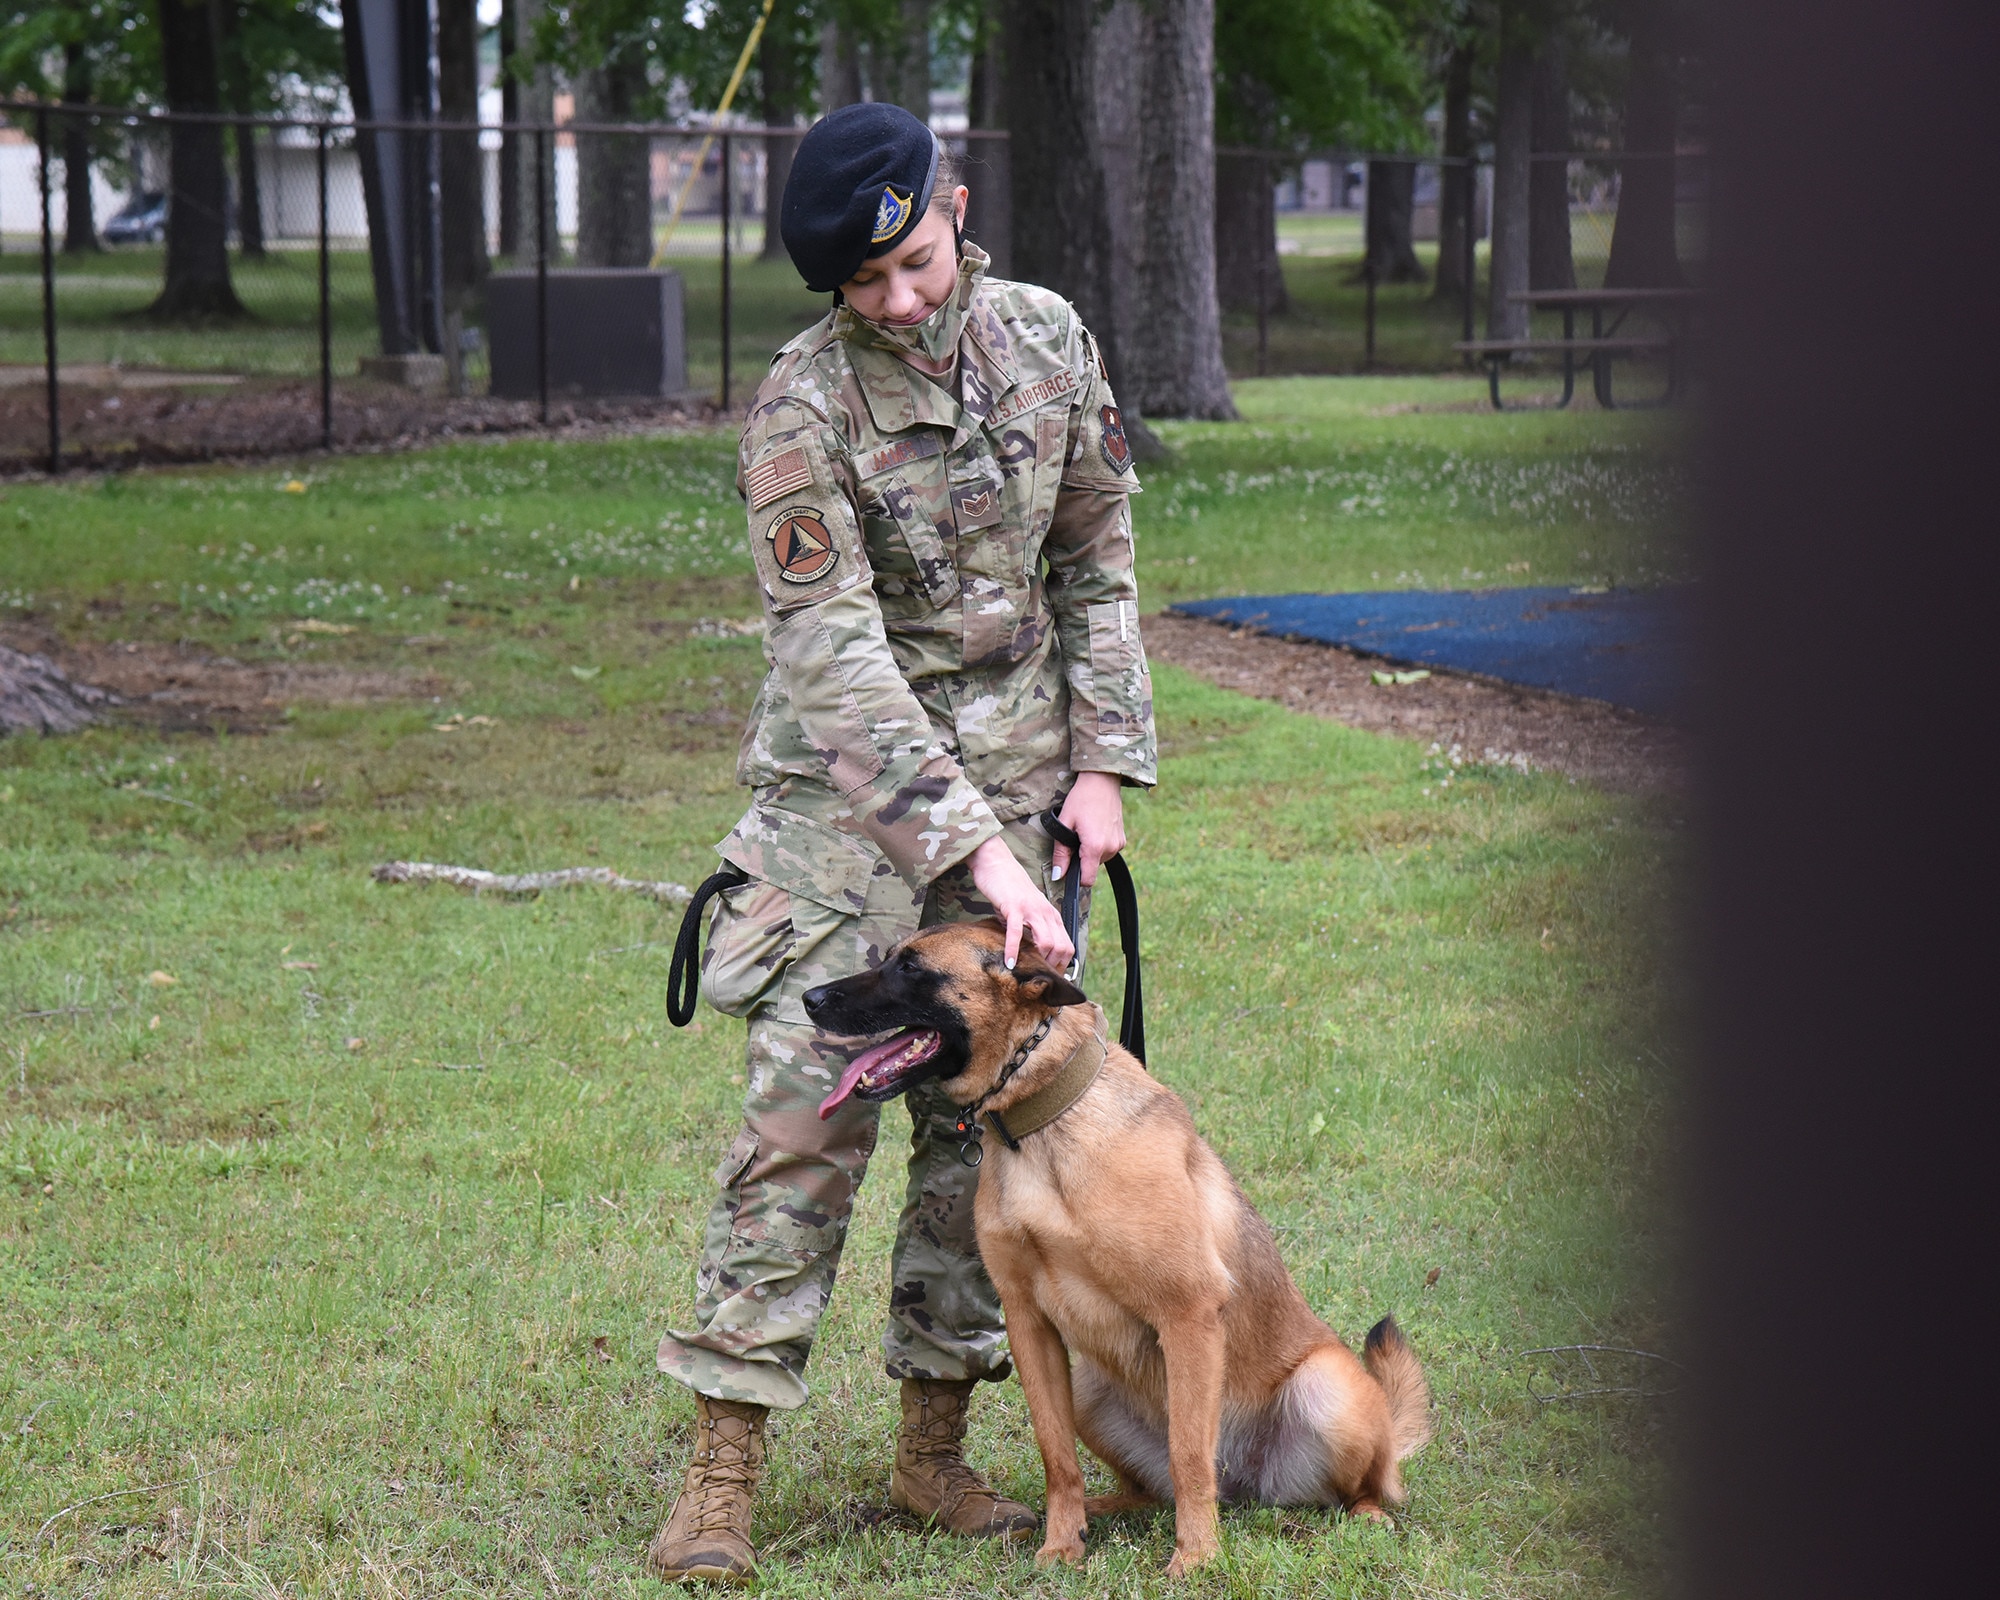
(908, 963)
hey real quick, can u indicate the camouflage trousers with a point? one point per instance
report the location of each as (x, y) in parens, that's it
(773, 1242)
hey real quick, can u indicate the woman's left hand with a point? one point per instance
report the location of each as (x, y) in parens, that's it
(1095, 811)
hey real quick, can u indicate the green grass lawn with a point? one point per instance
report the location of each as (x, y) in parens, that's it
(339, 1258)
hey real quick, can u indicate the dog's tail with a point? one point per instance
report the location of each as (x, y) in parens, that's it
(1393, 1364)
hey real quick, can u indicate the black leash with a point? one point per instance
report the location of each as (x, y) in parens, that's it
(1132, 1021)
(684, 975)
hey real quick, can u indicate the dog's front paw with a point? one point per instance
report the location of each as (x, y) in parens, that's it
(1185, 1561)
(1068, 1550)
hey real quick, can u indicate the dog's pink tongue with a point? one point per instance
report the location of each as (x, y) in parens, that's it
(873, 1056)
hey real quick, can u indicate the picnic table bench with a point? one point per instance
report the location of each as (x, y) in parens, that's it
(1603, 344)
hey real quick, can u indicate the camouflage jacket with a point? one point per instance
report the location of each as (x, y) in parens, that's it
(947, 578)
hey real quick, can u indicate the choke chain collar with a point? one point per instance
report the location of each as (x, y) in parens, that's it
(970, 1150)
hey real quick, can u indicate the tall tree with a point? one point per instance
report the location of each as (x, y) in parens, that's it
(1550, 262)
(1457, 178)
(234, 63)
(197, 286)
(614, 213)
(786, 59)
(1292, 76)
(904, 56)
(1389, 249)
(1062, 233)
(1507, 317)
(508, 33)
(79, 219)
(1643, 250)
(1177, 366)
(461, 185)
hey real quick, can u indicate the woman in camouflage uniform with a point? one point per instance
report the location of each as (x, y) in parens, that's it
(938, 487)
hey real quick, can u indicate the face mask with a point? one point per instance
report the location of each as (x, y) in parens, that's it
(931, 346)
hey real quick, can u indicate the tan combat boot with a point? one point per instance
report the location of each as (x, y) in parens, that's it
(931, 1479)
(708, 1534)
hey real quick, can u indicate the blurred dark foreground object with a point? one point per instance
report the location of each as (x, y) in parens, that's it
(36, 696)
(1839, 1135)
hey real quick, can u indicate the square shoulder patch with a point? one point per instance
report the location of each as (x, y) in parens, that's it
(784, 473)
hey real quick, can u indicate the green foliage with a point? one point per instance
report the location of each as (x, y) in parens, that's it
(335, 1317)
(1292, 74)
(118, 41)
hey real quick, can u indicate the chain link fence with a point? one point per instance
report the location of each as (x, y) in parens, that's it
(179, 288)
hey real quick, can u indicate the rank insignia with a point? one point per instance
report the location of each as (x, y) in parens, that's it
(802, 546)
(891, 214)
(1117, 448)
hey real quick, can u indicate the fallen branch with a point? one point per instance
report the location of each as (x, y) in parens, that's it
(481, 882)
(120, 1494)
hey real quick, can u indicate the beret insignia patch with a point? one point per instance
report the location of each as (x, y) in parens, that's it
(1117, 448)
(891, 214)
(802, 546)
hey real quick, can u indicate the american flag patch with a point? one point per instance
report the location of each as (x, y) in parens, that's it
(781, 475)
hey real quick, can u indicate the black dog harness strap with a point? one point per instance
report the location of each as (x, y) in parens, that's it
(1132, 1019)
(684, 975)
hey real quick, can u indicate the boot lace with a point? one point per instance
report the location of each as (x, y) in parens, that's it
(728, 1472)
(936, 1443)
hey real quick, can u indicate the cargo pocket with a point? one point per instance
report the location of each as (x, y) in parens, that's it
(806, 879)
(1120, 682)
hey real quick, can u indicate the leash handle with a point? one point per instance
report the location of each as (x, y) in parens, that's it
(1132, 1018)
(684, 975)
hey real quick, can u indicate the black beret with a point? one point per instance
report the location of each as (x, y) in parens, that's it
(859, 183)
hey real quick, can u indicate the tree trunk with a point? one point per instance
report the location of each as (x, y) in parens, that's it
(1246, 236)
(1120, 43)
(989, 218)
(79, 221)
(1550, 264)
(839, 68)
(1389, 249)
(1643, 252)
(461, 196)
(1178, 363)
(614, 187)
(1455, 180)
(235, 71)
(1062, 220)
(197, 285)
(781, 101)
(905, 66)
(1507, 318)
(510, 143)
(538, 105)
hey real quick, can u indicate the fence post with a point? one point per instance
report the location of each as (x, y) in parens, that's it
(725, 270)
(1471, 187)
(49, 297)
(325, 306)
(542, 270)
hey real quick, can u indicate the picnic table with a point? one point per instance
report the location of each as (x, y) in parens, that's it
(1603, 343)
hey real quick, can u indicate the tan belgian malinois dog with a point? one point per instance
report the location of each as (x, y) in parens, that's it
(1147, 1306)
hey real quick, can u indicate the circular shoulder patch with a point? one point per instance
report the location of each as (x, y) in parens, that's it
(1117, 448)
(802, 546)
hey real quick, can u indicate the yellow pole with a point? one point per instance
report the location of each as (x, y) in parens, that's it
(701, 156)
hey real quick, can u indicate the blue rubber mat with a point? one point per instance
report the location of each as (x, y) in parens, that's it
(1627, 646)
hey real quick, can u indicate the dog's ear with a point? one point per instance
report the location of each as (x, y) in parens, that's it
(1042, 985)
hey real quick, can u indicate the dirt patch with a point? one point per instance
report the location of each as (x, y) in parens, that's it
(179, 688)
(1488, 721)
(132, 424)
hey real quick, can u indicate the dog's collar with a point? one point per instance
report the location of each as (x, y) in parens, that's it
(1071, 1082)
